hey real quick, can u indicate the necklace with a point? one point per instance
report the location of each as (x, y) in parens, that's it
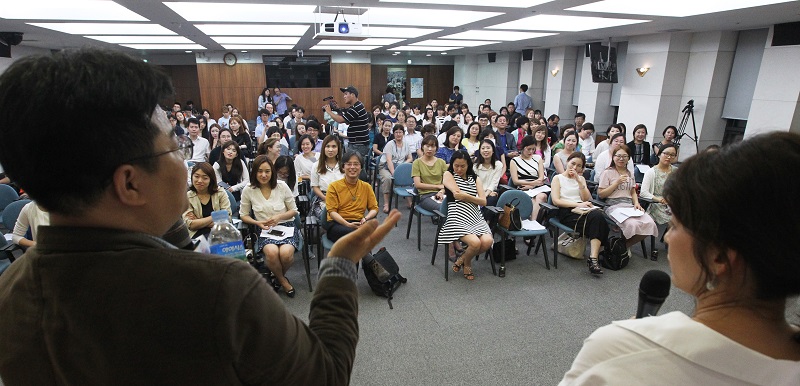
(331, 168)
(347, 185)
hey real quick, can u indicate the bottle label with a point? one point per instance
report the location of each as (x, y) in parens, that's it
(234, 249)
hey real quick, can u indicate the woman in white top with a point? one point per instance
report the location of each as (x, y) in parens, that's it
(305, 159)
(527, 172)
(604, 145)
(272, 203)
(489, 170)
(328, 169)
(30, 218)
(263, 98)
(428, 118)
(604, 159)
(654, 181)
(740, 277)
(570, 145)
(569, 192)
(230, 170)
(396, 153)
(471, 142)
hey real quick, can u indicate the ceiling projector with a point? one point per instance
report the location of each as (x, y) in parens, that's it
(340, 31)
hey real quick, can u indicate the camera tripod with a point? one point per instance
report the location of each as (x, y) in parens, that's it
(688, 112)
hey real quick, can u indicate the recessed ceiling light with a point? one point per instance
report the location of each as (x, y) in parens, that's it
(345, 48)
(106, 28)
(565, 23)
(503, 36)
(258, 46)
(244, 12)
(427, 17)
(676, 8)
(188, 51)
(349, 52)
(365, 42)
(475, 3)
(256, 40)
(394, 32)
(253, 29)
(146, 39)
(427, 54)
(453, 43)
(244, 51)
(164, 46)
(424, 48)
(69, 10)
(444, 53)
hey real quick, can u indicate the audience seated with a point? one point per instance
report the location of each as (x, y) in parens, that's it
(527, 172)
(305, 158)
(452, 142)
(670, 134)
(427, 172)
(325, 171)
(542, 147)
(464, 222)
(270, 148)
(604, 159)
(618, 189)
(604, 145)
(471, 141)
(225, 135)
(569, 192)
(395, 152)
(350, 202)
(639, 147)
(586, 135)
(383, 137)
(204, 197)
(568, 128)
(30, 218)
(653, 187)
(489, 169)
(570, 146)
(284, 167)
(230, 170)
(272, 203)
(241, 135)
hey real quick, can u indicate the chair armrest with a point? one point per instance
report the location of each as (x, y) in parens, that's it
(7, 251)
(494, 209)
(548, 206)
(438, 213)
(600, 203)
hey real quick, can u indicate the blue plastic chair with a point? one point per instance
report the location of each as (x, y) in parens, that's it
(9, 195)
(557, 226)
(234, 204)
(523, 202)
(401, 183)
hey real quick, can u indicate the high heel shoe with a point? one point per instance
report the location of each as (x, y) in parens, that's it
(290, 292)
(594, 267)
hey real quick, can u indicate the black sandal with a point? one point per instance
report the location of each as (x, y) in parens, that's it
(457, 266)
(594, 267)
(468, 275)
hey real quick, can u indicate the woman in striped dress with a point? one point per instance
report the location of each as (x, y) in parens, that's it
(464, 220)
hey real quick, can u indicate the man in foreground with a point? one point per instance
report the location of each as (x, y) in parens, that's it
(102, 299)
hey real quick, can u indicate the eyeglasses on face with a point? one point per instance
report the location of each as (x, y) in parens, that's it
(621, 156)
(185, 149)
(352, 165)
(669, 155)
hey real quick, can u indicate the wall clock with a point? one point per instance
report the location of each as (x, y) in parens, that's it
(229, 59)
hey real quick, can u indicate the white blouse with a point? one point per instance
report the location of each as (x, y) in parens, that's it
(323, 180)
(303, 165)
(490, 177)
(281, 200)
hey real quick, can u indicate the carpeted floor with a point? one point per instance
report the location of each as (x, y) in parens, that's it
(524, 329)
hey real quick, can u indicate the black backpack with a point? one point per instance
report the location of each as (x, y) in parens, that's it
(615, 256)
(384, 288)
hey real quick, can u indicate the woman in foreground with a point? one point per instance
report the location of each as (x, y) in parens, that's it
(739, 274)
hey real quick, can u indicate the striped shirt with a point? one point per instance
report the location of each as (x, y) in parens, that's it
(358, 119)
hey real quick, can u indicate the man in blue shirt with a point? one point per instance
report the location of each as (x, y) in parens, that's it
(522, 101)
(456, 97)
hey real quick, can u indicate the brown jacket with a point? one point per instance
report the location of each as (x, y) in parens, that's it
(100, 306)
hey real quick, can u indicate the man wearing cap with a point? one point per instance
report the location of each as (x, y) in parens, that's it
(356, 117)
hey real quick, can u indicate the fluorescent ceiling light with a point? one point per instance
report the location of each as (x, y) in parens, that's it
(503, 36)
(365, 42)
(453, 43)
(564, 23)
(258, 47)
(106, 28)
(69, 10)
(345, 48)
(398, 32)
(476, 3)
(424, 17)
(423, 48)
(244, 12)
(252, 29)
(676, 8)
(164, 46)
(130, 39)
(256, 40)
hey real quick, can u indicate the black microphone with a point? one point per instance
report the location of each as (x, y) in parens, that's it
(653, 290)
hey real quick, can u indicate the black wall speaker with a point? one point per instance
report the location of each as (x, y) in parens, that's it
(492, 57)
(11, 38)
(527, 55)
(786, 34)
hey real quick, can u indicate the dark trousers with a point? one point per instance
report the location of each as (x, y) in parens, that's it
(337, 231)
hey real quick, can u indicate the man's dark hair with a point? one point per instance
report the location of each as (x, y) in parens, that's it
(300, 109)
(193, 120)
(483, 115)
(263, 111)
(456, 88)
(587, 126)
(580, 115)
(71, 83)
(177, 103)
(313, 125)
(523, 87)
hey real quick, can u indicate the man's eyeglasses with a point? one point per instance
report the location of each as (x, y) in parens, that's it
(185, 149)
(352, 165)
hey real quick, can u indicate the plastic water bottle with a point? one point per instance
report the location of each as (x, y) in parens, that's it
(225, 239)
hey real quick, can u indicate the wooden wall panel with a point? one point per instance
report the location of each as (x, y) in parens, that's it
(185, 82)
(378, 82)
(239, 85)
(439, 85)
